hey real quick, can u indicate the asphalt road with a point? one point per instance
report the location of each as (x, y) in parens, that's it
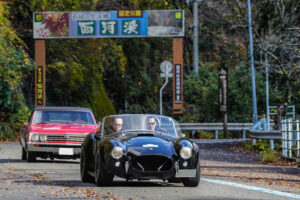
(60, 179)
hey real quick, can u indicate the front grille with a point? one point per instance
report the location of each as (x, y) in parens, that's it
(152, 163)
(66, 138)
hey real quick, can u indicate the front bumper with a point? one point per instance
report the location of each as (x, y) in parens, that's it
(55, 150)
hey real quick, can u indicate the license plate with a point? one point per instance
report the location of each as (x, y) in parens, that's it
(66, 151)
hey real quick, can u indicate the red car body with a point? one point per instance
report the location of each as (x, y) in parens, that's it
(56, 132)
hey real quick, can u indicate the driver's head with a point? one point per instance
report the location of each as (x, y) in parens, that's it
(151, 123)
(117, 124)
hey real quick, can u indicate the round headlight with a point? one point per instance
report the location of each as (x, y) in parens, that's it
(117, 152)
(43, 138)
(35, 137)
(186, 152)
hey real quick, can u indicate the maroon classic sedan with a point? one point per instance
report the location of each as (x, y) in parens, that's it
(56, 132)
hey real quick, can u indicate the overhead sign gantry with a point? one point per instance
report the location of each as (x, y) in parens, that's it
(109, 24)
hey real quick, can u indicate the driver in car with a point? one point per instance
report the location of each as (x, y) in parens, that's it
(116, 124)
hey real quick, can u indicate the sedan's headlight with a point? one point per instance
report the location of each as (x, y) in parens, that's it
(186, 152)
(117, 152)
(43, 138)
(35, 137)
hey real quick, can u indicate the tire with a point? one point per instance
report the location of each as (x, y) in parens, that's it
(30, 156)
(84, 174)
(193, 181)
(23, 154)
(102, 178)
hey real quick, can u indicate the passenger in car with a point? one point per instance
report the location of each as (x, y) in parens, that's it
(153, 124)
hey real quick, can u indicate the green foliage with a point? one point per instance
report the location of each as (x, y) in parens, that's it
(267, 154)
(76, 80)
(6, 132)
(269, 157)
(15, 65)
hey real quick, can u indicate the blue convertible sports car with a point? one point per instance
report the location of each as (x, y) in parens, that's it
(139, 146)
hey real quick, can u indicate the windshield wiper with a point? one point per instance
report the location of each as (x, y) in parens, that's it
(44, 122)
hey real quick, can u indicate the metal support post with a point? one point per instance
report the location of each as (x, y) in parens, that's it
(161, 89)
(195, 37)
(267, 92)
(254, 106)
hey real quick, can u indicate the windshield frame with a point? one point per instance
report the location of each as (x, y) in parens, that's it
(106, 124)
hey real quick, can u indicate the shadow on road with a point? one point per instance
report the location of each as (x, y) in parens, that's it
(9, 160)
(117, 183)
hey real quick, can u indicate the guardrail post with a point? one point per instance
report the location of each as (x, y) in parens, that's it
(284, 137)
(193, 134)
(216, 134)
(272, 144)
(290, 136)
(244, 134)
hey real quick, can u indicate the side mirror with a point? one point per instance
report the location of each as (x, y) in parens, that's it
(99, 124)
(98, 135)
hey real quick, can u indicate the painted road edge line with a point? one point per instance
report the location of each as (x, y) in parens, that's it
(278, 193)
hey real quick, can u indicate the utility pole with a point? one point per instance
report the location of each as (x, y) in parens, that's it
(195, 34)
(254, 106)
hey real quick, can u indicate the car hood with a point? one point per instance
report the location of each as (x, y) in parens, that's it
(63, 128)
(149, 145)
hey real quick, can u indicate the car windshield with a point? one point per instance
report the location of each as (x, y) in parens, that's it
(140, 123)
(63, 117)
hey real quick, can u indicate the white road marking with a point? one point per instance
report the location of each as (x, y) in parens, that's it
(247, 187)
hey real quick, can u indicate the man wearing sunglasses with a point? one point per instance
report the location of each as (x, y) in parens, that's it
(116, 124)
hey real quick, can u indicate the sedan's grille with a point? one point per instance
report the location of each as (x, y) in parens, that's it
(152, 163)
(66, 138)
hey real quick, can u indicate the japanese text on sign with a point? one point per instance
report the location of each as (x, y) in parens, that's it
(39, 87)
(123, 23)
(223, 89)
(130, 13)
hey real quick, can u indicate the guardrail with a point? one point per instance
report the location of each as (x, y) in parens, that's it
(216, 127)
(260, 130)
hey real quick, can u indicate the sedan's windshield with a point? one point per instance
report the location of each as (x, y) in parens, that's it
(63, 117)
(139, 123)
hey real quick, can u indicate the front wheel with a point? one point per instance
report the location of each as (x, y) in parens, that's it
(85, 176)
(193, 181)
(102, 178)
(23, 154)
(30, 156)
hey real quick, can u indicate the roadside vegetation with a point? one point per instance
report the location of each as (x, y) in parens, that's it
(267, 155)
(122, 75)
